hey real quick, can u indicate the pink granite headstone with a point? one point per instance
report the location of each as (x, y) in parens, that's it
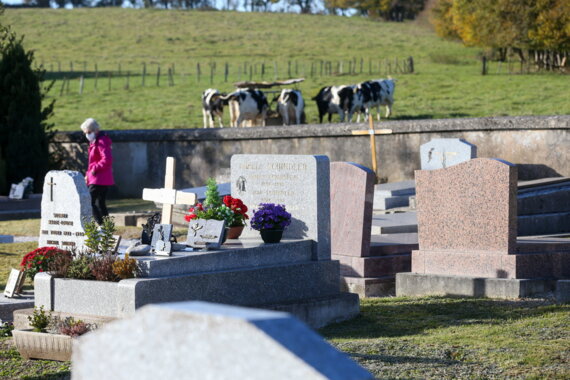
(471, 206)
(352, 194)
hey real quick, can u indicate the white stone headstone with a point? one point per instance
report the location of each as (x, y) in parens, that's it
(66, 205)
(199, 340)
(301, 183)
(443, 153)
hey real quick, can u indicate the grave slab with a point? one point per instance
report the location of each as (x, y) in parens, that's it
(374, 266)
(220, 342)
(301, 183)
(401, 222)
(6, 239)
(393, 195)
(443, 153)
(417, 284)
(66, 205)
(9, 305)
(369, 286)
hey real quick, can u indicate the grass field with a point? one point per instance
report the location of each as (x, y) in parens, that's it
(447, 82)
(423, 338)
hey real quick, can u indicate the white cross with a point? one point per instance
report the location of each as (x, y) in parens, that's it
(168, 196)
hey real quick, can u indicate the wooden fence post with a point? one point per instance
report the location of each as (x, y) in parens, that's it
(81, 82)
(158, 76)
(484, 63)
(62, 87)
(411, 64)
(143, 73)
(198, 72)
(96, 75)
(109, 85)
(226, 72)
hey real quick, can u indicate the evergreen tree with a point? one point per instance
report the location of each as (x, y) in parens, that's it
(24, 132)
(212, 195)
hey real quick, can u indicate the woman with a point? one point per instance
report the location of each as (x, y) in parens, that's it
(99, 174)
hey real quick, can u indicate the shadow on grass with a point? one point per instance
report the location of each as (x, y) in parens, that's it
(411, 316)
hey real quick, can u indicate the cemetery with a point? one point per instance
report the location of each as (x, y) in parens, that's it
(464, 226)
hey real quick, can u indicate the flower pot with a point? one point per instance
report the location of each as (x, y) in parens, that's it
(235, 232)
(42, 345)
(271, 236)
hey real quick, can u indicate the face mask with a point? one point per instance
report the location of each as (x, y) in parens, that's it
(90, 136)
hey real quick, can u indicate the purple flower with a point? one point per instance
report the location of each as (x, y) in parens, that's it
(270, 216)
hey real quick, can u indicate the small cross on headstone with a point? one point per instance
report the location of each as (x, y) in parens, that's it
(51, 184)
(168, 196)
(372, 132)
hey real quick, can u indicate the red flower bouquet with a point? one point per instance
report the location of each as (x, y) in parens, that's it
(239, 210)
(39, 259)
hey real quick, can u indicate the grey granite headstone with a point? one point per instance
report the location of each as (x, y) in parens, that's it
(443, 153)
(199, 340)
(301, 183)
(205, 233)
(66, 205)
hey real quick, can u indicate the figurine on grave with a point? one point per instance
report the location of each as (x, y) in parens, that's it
(99, 175)
(146, 236)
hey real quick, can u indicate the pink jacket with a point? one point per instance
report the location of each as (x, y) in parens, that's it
(100, 168)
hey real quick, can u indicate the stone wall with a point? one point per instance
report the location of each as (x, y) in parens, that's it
(538, 144)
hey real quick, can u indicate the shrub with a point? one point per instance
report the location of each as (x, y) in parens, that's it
(59, 265)
(102, 268)
(126, 268)
(79, 268)
(6, 329)
(99, 239)
(39, 260)
(40, 320)
(71, 327)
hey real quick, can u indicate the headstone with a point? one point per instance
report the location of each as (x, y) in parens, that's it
(301, 183)
(66, 205)
(161, 239)
(202, 340)
(443, 153)
(205, 233)
(22, 189)
(352, 190)
(468, 246)
(471, 207)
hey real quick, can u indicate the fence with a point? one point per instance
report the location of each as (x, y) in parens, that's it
(215, 73)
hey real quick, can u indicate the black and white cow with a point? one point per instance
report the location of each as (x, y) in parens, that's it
(212, 106)
(342, 100)
(291, 106)
(247, 105)
(376, 93)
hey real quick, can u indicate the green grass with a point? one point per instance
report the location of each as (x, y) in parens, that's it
(429, 337)
(436, 337)
(446, 84)
(10, 257)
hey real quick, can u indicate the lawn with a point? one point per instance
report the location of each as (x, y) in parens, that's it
(447, 81)
(429, 337)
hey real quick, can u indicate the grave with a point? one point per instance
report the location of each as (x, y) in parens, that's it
(296, 275)
(202, 340)
(467, 224)
(443, 153)
(393, 195)
(368, 263)
(66, 206)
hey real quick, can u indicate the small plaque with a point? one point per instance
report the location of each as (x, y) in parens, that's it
(17, 191)
(205, 233)
(15, 283)
(161, 239)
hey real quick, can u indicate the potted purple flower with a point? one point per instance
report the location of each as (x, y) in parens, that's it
(270, 220)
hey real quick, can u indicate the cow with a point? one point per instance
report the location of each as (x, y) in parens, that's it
(343, 100)
(291, 106)
(247, 105)
(376, 93)
(212, 106)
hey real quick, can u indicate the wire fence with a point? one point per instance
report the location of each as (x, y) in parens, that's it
(212, 73)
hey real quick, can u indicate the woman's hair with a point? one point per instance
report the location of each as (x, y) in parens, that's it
(90, 125)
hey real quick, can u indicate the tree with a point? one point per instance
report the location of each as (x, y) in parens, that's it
(24, 131)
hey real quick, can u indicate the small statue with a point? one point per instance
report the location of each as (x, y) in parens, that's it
(146, 236)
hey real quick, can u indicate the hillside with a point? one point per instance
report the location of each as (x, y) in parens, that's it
(446, 83)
